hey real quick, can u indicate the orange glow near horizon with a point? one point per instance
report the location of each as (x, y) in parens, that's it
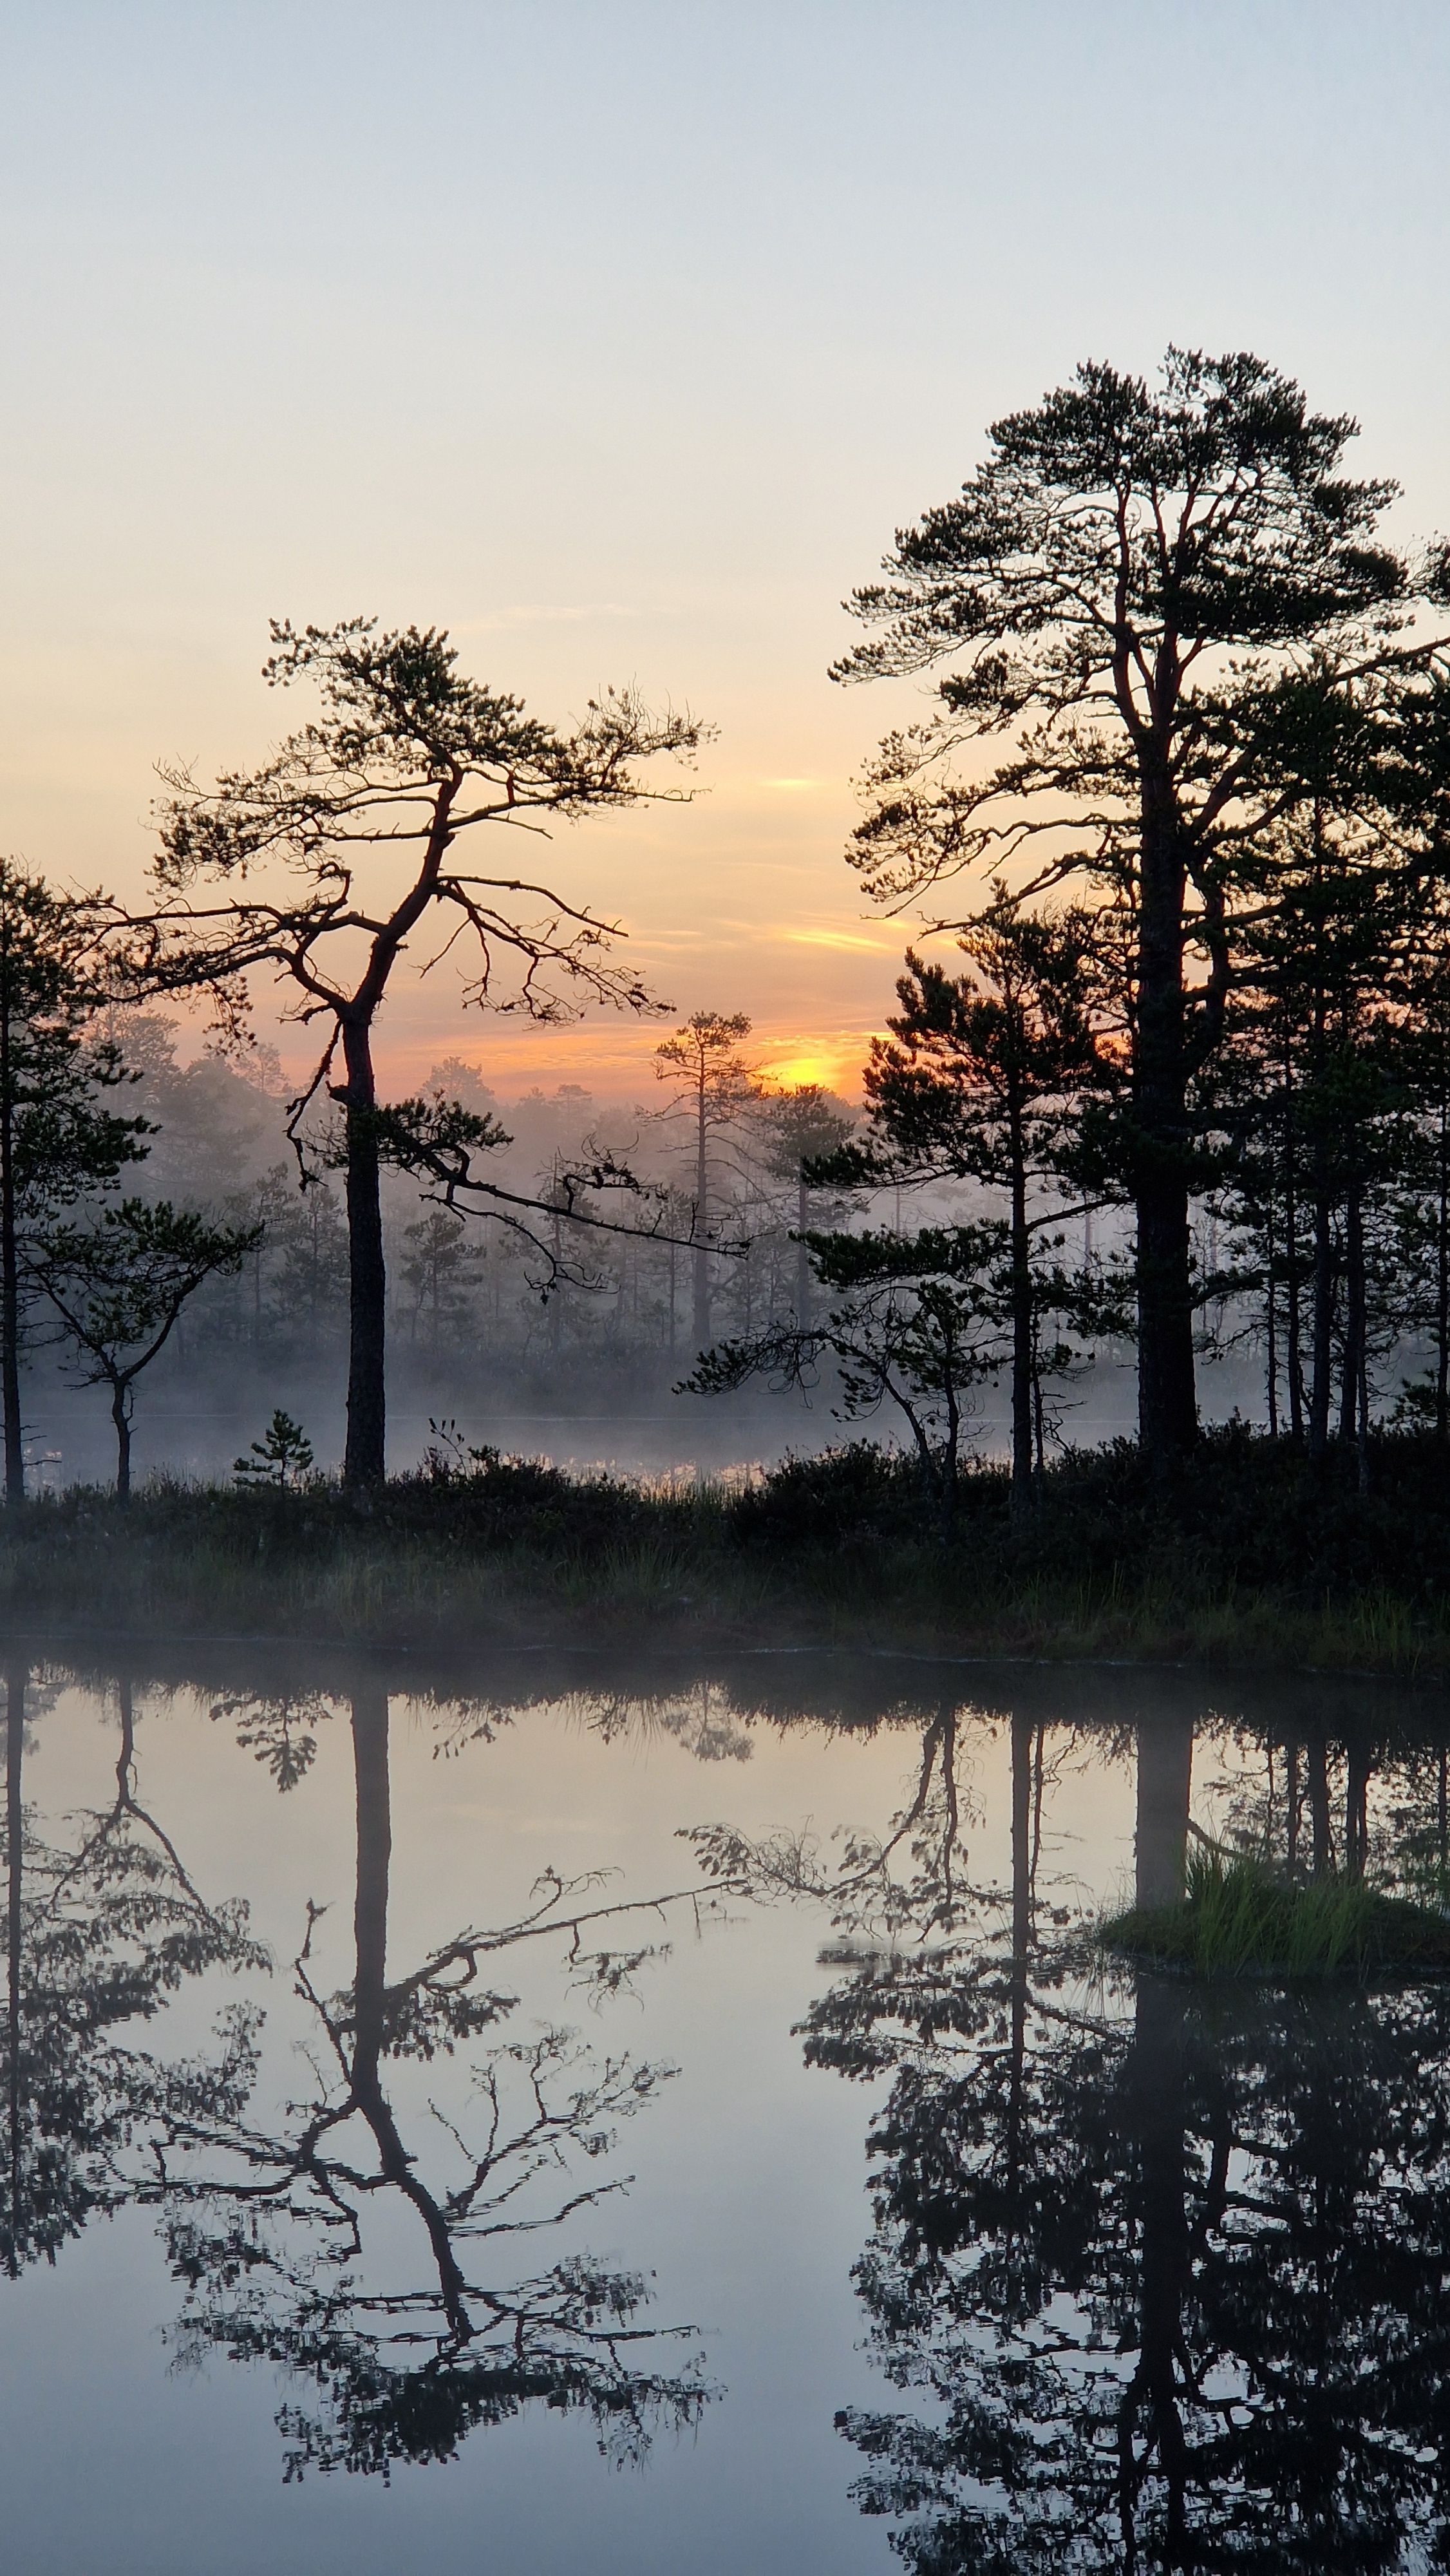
(681, 506)
(617, 1063)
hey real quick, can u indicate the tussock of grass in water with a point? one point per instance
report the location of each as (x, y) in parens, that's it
(1238, 1919)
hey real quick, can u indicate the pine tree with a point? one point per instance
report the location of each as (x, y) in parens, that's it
(58, 1137)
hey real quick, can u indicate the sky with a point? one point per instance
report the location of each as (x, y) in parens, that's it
(617, 339)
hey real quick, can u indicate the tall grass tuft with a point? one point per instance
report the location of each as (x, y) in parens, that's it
(1238, 1918)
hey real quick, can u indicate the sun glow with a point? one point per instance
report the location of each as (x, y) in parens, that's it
(834, 1063)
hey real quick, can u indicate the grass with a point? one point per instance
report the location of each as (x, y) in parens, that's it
(1249, 1558)
(1240, 1919)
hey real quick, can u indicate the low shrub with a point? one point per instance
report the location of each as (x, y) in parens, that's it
(858, 1492)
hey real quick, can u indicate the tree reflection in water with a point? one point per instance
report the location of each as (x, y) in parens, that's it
(1167, 2263)
(283, 2236)
(98, 1936)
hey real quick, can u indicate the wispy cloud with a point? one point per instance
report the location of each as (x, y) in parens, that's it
(887, 937)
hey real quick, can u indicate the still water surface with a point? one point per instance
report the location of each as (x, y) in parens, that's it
(861, 2221)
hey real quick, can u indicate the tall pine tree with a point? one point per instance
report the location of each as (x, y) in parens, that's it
(60, 1136)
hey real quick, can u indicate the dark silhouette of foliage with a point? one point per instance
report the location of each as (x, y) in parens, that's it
(269, 2229)
(59, 1138)
(1173, 612)
(404, 758)
(119, 1286)
(99, 1936)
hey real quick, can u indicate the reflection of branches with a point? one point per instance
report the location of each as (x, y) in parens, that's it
(1184, 2313)
(1164, 2266)
(272, 2231)
(127, 1810)
(863, 1892)
(280, 1733)
(704, 1724)
(97, 1937)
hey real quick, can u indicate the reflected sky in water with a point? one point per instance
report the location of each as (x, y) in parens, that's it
(389, 2179)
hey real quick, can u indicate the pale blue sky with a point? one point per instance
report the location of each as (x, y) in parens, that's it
(618, 337)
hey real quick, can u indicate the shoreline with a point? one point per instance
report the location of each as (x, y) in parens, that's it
(400, 1603)
(1254, 1563)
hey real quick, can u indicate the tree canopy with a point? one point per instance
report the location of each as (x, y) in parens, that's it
(337, 856)
(1172, 621)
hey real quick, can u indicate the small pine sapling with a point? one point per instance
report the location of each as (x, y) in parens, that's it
(284, 1458)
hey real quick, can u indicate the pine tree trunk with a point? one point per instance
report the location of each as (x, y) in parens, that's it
(1022, 1370)
(1272, 1322)
(121, 1417)
(1167, 1398)
(9, 1275)
(1442, 1283)
(1323, 1322)
(1293, 1352)
(702, 1257)
(364, 1460)
(1354, 1316)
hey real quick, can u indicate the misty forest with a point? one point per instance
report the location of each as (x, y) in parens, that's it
(1141, 1217)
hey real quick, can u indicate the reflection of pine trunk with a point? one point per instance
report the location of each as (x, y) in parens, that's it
(374, 1854)
(126, 1703)
(1159, 2117)
(370, 1925)
(15, 1681)
(1356, 1807)
(1021, 1926)
(1165, 1773)
(363, 1462)
(1317, 1767)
